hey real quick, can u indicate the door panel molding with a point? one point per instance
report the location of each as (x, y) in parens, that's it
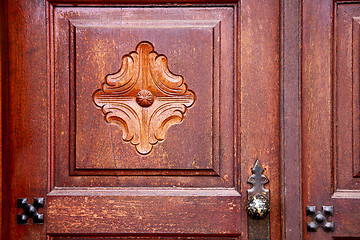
(256, 117)
(330, 113)
(143, 237)
(3, 80)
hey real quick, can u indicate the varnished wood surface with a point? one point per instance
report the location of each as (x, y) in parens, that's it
(27, 112)
(110, 33)
(27, 152)
(319, 98)
(31, 114)
(330, 132)
(245, 109)
(4, 176)
(139, 2)
(259, 84)
(144, 211)
(316, 108)
(3, 72)
(346, 158)
(144, 98)
(143, 237)
(346, 101)
(291, 120)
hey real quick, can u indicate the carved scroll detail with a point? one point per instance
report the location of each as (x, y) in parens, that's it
(144, 98)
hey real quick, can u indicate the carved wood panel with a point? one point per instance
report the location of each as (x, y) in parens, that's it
(95, 184)
(197, 46)
(144, 98)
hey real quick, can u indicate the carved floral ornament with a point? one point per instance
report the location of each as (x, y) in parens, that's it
(144, 98)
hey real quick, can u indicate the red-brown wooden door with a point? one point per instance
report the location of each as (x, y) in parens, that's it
(100, 177)
(330, 108)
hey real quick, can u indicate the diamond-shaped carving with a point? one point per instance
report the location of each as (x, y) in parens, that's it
(144, 98)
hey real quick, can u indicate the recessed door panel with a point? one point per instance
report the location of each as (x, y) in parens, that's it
(331, 117)
(90, 44)
(141, 121)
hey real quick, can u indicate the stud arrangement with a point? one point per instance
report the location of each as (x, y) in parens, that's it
(320, 218)
(30, 211)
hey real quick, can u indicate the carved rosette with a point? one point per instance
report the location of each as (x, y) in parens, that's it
(144, 98)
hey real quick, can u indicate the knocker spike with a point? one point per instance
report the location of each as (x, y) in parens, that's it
(258, 206)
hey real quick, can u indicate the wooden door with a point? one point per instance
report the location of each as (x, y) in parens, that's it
(330, 93)
(139, 119)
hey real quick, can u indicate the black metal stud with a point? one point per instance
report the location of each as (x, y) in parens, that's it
(320, 218)
(30, 211)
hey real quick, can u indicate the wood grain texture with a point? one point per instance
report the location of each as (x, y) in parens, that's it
(3, 74)
(27, 111)
(188, 186)
(346, 162)
(347, 220)
(149, 211)
(260, 115)
(330, 99)
(291, 119)
(355, 96)
(316, 107)
(347, 122)
(100, 37)
(137, 2)
(4, 178)
(113, 150)
(347, 97)
(146, 237)
(144, 98)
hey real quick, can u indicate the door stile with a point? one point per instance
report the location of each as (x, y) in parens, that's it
(317, 102)
(2, 77)
(290, 97)
(260, 128)
(4, 145)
